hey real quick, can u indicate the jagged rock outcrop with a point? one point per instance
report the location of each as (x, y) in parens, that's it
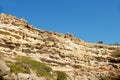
(80, 60)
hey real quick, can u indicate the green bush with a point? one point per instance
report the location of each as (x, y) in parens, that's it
(61, 75)
(40, 68)
(17, 68)
(100, 42)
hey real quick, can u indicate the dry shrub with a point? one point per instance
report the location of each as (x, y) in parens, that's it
(116, 53)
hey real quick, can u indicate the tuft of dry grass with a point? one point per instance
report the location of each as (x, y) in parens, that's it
(116, 53)
(109, 78)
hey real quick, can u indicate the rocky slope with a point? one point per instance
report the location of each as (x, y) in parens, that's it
(24, 49)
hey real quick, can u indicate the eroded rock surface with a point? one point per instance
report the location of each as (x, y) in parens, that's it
(80, 60)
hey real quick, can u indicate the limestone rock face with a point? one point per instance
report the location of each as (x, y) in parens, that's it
(80, 60)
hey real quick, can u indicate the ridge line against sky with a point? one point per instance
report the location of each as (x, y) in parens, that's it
(90, 20)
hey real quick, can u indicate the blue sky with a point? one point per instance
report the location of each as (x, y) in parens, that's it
(89, 20)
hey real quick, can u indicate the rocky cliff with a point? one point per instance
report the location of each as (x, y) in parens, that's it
(27, 53)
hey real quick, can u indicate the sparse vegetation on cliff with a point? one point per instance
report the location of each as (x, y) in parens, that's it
(116, 53)
(110, 78)
(17, 68)
(40, 68)
(61, 75)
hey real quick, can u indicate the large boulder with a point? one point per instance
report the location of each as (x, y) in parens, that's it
(4, 69)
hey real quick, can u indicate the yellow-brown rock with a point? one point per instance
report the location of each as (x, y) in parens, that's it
(80, 60)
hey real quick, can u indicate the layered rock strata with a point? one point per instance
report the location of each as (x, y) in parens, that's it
(80, 60)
